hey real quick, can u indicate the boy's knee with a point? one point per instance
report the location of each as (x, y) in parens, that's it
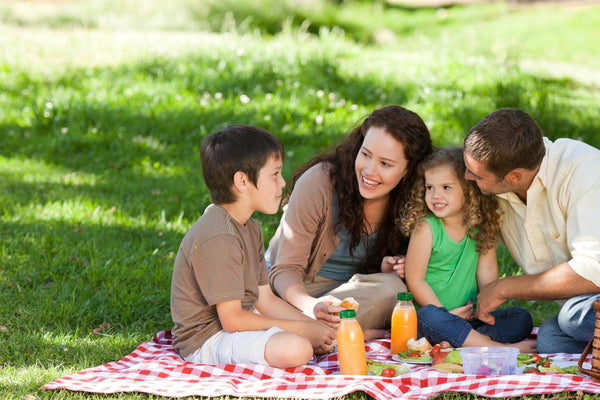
(286, 350)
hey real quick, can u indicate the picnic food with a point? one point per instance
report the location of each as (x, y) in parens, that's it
(422, 345)
(349, 304)
(448, 361)
(404, 323)
(351, 345)
(540, 365)
(383, 369)
(414, 356)
(435, 350)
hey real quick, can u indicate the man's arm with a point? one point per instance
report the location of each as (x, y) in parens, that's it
(559, 282)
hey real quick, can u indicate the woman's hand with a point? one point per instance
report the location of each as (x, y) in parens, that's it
(325, 311)
(393, 264)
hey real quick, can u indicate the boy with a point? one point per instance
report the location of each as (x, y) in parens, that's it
(220, 276)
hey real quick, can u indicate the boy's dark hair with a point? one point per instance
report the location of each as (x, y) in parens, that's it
(504, 140)
(235, 148)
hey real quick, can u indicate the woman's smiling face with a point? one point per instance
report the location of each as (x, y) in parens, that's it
(380, 164)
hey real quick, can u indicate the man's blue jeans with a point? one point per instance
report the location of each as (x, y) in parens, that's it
(572, 329)
(437, 324)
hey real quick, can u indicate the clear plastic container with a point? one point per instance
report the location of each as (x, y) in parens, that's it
(493, 360)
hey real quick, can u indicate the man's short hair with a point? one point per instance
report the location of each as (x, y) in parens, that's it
(235, 148)
(504, 140)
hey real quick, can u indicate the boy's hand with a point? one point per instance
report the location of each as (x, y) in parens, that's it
(393, 264)
(321, 336)
(466, 312)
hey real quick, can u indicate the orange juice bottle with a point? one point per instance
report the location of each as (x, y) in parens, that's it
(351, 345)
(404, 323)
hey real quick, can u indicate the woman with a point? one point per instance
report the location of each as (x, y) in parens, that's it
(337, 231)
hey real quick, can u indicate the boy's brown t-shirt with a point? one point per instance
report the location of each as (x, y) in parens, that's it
(218, 260)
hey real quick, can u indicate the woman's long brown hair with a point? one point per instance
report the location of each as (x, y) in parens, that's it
(407, 128)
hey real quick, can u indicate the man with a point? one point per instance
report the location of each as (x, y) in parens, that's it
(549, 194)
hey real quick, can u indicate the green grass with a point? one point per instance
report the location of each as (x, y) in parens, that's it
(103, 106)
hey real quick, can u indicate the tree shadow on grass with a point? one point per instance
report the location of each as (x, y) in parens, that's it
(95, 136)
(144, 153)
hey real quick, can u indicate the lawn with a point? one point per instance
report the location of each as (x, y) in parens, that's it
(103, 106)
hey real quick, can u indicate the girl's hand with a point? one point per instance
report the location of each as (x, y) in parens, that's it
(467, 312)
(393, 264)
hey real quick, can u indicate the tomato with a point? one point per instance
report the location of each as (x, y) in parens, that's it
(546, 364)
(536, 358)
(531, 370)
(435, 350)
(413, 354)
(388, 372)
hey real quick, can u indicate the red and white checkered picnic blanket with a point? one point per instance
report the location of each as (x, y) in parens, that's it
(156, 368)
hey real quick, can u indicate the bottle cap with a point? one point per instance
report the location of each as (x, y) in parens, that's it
(347, 314)
(405, 296)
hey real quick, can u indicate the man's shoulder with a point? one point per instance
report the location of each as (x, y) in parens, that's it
(568, 165)
(565, 150)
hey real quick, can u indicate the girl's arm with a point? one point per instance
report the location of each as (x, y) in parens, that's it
(487, 268)
(417, 258)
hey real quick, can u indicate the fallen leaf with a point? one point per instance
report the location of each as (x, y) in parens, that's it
(100, 329)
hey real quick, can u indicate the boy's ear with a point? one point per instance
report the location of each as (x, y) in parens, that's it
(240, 181)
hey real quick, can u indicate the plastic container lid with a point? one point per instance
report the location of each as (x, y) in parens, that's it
(405, 296)
(347, 314)
(493, 360)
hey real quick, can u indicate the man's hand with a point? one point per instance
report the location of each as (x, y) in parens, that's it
(489, 299)
(393, 264)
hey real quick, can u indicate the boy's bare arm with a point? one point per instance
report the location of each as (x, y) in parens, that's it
(270, 305)
(235, 319)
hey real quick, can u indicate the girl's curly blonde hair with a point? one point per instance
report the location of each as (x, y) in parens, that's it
(482, 213)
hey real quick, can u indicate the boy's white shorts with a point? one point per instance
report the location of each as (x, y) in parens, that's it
(234, 348)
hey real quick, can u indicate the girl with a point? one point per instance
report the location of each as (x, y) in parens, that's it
(338, 222)
(452, 253)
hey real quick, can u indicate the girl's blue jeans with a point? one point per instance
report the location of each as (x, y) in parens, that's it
(572, 329)
(437, 324)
